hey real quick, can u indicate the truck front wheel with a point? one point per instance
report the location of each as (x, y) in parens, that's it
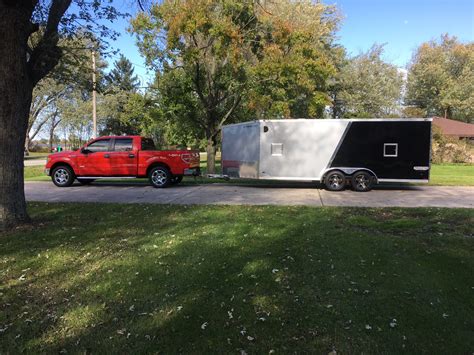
(159, 176)
(62, 176)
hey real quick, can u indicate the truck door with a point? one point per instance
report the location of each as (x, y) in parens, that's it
(123, 158)
(95, 160)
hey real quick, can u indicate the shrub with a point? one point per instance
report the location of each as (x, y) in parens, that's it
(449, 150)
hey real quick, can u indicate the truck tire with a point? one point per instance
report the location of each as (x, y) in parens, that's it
(176, 179)
(85, 181)
(159, 176)
(362, 181)
(62, 176)
(335, 181)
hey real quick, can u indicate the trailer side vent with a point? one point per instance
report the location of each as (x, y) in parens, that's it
(265, 129)
(277, 149)
(390, 150)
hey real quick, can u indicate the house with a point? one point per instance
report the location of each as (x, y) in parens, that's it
(455, 129)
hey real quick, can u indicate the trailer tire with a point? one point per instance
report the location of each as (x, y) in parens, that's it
(362, 181)
(159, 176)
(335, 180)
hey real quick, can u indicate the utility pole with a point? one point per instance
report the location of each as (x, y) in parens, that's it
(94, 90)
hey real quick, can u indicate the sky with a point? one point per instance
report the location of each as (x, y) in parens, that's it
(402, 25)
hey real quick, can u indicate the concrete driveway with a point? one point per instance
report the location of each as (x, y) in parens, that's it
(231, 194)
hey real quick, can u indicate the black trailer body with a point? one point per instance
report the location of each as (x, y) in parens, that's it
(394, 150)
(334, 152)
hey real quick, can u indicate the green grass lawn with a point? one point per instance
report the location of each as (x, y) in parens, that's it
(452, 174)
(219, 279)
(36, 155)
(35, 173)
(441, 174)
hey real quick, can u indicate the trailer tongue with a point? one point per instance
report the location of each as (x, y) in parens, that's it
(359, 152)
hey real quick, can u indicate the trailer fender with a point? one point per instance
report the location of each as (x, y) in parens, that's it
(348, 171)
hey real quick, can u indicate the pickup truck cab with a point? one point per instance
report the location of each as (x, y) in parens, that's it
(122, 157)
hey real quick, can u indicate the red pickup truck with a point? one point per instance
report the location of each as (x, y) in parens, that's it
(119, 157)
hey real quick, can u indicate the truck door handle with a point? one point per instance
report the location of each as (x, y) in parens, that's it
(131, 155)
(106, 155)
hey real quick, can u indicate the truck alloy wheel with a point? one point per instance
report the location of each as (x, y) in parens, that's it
(362, 181)
(62, 176)
(335, 181)
(160, 176)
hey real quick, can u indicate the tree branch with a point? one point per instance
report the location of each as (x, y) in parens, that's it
(229, 112)
(45, 56)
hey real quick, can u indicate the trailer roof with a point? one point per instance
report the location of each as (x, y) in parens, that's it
(335, 119)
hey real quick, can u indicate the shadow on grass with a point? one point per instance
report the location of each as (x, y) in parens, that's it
(170, 279)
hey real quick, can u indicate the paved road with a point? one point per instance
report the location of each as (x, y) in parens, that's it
(289, 194)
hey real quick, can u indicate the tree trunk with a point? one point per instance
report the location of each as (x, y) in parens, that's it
(51, 137)
(27, 142)
(211, 155)
(15, 99)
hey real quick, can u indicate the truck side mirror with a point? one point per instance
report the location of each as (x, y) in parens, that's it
(84, 150)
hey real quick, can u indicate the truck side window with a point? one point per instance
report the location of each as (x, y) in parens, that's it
(148, 144)
(101, 145)
(123, 144)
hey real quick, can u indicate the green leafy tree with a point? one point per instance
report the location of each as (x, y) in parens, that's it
(226, 49)
(73, 72)
(441, 79)
(369, 87)
(45, 94)
(295, 60)
(122, 77)
(120, 92)
(22, 65)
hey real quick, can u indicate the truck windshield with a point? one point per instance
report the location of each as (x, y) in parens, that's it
(148, 144)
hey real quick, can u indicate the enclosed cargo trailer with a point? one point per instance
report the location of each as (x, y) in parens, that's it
(336, 152)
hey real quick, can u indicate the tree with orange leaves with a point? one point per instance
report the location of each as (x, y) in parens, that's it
(266, 58)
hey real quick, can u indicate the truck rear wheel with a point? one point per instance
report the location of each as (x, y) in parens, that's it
(62, 176)
(335, 181)
(362, 181)
(159, 176)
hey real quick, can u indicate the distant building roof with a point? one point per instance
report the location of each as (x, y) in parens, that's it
(454, 128)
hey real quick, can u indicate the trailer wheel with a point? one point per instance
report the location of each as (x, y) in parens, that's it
(335, 181)
(362, 181)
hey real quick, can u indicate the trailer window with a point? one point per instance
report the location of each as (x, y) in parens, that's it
(390, 150)
(277, 149)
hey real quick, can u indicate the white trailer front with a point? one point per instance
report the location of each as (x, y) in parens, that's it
(308, 149)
